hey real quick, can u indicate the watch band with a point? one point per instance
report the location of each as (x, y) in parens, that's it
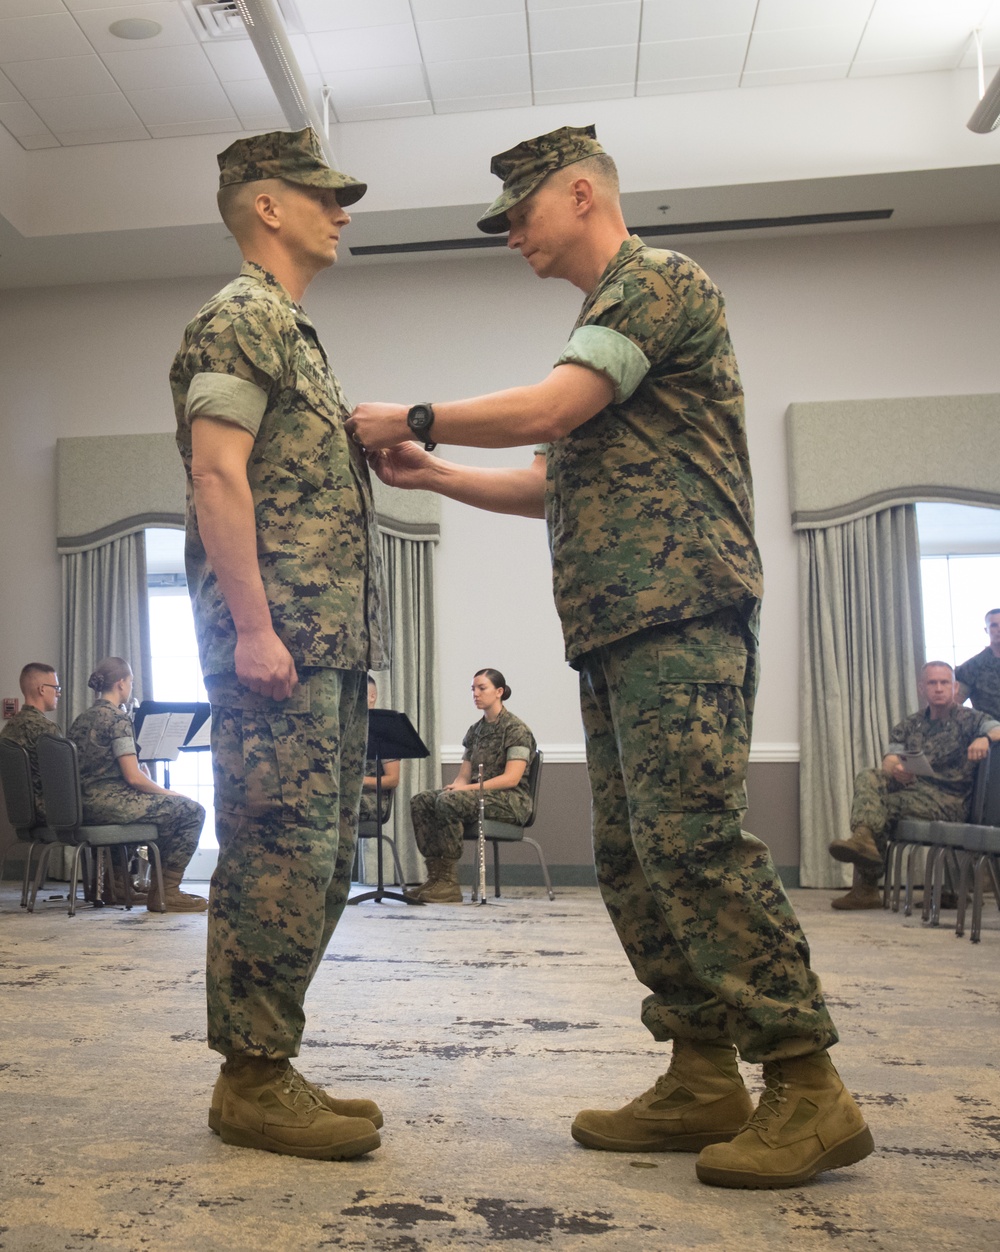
(420, 419)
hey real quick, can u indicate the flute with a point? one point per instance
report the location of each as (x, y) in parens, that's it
(482, 842)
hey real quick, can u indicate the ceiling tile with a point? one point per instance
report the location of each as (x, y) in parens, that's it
(592, 67)
(782, 49)
(9, 94)
(795, 14)
(31, 142)
(102, 134)
(495, 76)
(904, 65)
(29, 8)
(694, 19)
(50, 35)
(174, 129)
(355, 89)
(441, 10)
(322, 15)
(80, 6)
(692, 58)
(381, 112)
(503, 34)
(797, 74)
(539, 6)
(85, 112)
(21, 120)
(234, 59)
(61, 76)
(182, 66)
(253, 98)
(375, 47)
(592, 26)
(95, 23)
(164, 105)
(580, 95)
(672, 86)
(919, 28)
(478, 104)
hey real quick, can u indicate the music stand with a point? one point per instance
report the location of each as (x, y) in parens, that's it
(180, 722)
(389, 735)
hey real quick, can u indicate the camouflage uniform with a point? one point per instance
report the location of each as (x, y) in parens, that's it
(102, 734)
(880, 801)
(439, 816)
(287, 773)
(25, 728)
(657, 581)
(981, 675)
(367, 811)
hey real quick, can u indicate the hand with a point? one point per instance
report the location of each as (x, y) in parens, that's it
(979, 749)
(895, 768)
(265, 665)
(379, 425)
(402, 466)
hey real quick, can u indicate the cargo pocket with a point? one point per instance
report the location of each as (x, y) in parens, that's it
(703, 726)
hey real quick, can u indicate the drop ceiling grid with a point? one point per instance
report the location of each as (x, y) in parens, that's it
(65, 79)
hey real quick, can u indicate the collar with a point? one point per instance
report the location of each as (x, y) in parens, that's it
(622, 257)
(950, 718)
(250, 269)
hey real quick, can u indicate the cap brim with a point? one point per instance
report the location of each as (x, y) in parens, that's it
(349, 190)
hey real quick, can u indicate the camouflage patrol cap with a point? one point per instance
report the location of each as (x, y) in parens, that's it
(294, 155)
(526, 166)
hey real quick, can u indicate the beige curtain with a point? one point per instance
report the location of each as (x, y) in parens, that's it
(862, 633)
(410, 687)
(105, 613)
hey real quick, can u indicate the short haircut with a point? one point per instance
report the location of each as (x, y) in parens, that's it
(601, 168)
(937, 665)
(990, 613)
(30, 670)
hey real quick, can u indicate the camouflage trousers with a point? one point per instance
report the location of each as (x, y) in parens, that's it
(178, 819)
(696, 902)
(440, 816)
(288, 779)
(879, 802)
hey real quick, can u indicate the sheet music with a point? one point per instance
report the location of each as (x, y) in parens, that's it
(161, 736)
(202, 737)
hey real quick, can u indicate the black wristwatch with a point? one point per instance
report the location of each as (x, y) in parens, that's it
(420, 419)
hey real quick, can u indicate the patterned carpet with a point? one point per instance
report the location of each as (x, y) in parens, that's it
(480, 1031)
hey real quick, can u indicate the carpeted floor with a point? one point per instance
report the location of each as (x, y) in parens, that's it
(480, 1031)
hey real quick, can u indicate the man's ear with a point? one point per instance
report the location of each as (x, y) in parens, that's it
(583, 195)
(267, 207)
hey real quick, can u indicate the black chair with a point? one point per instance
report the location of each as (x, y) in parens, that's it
(60, 771)
(370, 829)
(509, 832)
(19, 798)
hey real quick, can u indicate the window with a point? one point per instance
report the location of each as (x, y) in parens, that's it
(177, 672)
(960, 577)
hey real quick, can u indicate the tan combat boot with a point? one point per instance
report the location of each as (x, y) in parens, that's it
(806, 1122)
(367, 1109)
(860, 849)
(864, 894)
(174, 900)
(268, 1105)
(441, 886)
(700, 1100)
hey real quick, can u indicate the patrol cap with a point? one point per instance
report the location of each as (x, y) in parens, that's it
(526, 166)
(294, 155)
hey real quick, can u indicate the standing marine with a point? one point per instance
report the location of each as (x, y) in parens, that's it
(645, 483)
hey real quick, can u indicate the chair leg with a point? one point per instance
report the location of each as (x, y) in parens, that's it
(545, 868)
(26, 885)
(897, 876)
(908, 895)
(77, 853)
(962, 891)
(977, 898)
(496, 869)
(40, 871)
(931, 864)
(157, 875)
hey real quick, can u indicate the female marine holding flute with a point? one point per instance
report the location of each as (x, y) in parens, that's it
(504, 746)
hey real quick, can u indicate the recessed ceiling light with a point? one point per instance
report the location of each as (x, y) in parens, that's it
(135, 28)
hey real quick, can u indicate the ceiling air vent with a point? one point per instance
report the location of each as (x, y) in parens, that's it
(213, 20)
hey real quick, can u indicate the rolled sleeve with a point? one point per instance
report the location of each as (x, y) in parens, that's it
(518, 753)
(123, 746)
(228, 398)
(599, 348)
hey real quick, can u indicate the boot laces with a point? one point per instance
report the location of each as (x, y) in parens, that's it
(770, 1102)
(294, 1085)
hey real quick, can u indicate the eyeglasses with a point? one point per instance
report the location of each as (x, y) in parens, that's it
(57, 689)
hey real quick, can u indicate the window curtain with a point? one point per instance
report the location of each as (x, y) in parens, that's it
(410, 687)
(862, 635)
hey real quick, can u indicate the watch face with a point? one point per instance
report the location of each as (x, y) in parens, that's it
(419, 418)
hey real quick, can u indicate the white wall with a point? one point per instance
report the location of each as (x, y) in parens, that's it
(826, 317)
